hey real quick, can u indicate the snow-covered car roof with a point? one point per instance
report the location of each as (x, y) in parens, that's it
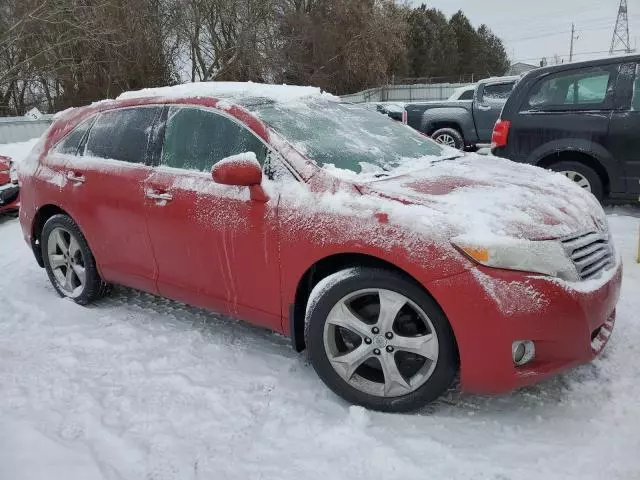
(242, 92)
(510, 78)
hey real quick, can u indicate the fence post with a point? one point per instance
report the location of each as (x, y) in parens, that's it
(638, 259)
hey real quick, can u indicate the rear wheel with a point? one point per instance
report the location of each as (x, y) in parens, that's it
(585, 177)
(69, 262)
(379, 340)
(449, 137)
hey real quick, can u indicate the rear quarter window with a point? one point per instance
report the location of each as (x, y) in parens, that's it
(572, 90)
(71, 143)
(123, 134)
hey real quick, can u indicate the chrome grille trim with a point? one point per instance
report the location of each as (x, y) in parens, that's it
(591, 253)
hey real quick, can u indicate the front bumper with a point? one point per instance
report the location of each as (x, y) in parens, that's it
(9, 197)
(490, 309)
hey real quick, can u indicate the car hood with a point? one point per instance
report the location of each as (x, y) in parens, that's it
(480, 197)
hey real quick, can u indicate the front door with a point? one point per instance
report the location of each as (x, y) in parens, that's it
(104, 194)
(215, 247)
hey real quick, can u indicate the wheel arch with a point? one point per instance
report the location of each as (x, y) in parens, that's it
(435, 126)
(586, 152)
(323, 268)
(582, 158)
(458, 118)
(43, 214)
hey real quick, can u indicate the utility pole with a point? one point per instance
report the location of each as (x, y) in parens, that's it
(573, 38)
(620, 41)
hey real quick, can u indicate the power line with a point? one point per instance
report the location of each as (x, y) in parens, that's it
(579, 54)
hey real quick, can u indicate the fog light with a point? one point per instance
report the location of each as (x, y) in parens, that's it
(523, 352)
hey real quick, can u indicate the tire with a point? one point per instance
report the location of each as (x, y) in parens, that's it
(580, 173)
(77, 256)
(450, 137)
(367, 384)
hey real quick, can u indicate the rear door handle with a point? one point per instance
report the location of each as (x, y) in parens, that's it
(159, 197)
(74, 177)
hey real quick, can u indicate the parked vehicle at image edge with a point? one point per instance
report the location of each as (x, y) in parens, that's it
(463, 123)
(463, 93)
(394, 110)
(581, 119)
(367, 243)
(9, 189)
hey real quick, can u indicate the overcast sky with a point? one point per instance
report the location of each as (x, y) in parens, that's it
(532, 29)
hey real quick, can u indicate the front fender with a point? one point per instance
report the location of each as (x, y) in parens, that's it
(305, 241)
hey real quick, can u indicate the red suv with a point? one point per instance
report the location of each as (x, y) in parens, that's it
(9, 189)
(398, 263)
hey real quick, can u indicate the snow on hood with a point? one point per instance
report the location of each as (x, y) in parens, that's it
(277, 93)
(477, 198)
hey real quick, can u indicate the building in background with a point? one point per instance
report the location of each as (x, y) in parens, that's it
(520, 68)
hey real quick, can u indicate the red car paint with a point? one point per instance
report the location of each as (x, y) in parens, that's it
(6, 182)
(247, 258)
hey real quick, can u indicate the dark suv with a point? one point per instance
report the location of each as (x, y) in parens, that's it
(581, 119)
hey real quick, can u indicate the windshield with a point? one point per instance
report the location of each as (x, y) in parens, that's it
(348, 136)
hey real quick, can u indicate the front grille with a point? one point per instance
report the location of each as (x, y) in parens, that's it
(591, 253)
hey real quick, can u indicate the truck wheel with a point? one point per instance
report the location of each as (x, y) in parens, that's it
(449, 137)
(584, 176)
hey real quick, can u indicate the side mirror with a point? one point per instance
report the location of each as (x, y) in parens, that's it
(241, 170)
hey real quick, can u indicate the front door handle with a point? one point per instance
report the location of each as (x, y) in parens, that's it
(75, 178)
(157, 196)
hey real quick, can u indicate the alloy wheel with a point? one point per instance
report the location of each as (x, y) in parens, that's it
(67, 262)
(381, 342)
(446, 139)
(578, 178)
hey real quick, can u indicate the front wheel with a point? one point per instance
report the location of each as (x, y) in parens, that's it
(69, 262)
(379, 340)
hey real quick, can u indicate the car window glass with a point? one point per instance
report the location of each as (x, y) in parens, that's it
(497, 92)
(196, 139)
(635, 105)
(69, 145)
(570, 89)
(122, 134)
(467, 95)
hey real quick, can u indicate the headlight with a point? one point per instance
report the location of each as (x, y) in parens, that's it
(13, 173)
(546, 257)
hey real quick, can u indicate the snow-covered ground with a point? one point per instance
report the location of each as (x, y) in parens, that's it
(141, 387)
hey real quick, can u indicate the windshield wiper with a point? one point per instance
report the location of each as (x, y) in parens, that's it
(446, 159)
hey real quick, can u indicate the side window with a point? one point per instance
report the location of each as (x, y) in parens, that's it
(497, 92)
(196, 139)
(123, 134)
(571, 90)
(635, 104)
(70, 144)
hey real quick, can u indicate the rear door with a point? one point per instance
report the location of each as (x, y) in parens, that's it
(624, 132)
(564, 110)
(215, 247)
(487, 106)
(104, 193)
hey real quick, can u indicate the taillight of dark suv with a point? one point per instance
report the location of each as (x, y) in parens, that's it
(500, 133)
